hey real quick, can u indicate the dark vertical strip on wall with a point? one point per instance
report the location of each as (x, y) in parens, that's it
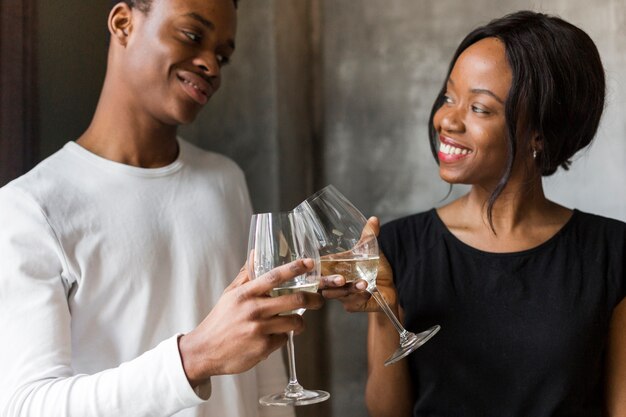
(18, 92)
(317, 94)
(295, 147)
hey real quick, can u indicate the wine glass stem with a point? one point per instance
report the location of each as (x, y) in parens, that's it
(385, 307)
(293, 389)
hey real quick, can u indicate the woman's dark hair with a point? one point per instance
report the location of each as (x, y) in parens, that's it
(144, 5)
(557, 89)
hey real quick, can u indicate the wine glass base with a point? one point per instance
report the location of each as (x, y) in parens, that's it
(305, 397)
(411, 343)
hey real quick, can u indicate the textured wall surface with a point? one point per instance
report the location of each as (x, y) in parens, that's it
(72, 60)
(339, 91)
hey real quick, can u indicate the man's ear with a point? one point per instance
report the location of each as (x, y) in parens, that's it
(120, 22)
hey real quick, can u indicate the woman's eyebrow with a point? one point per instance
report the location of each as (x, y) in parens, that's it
(488, 92)
(480, 91)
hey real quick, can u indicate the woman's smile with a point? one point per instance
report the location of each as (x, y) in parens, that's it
(450, 151)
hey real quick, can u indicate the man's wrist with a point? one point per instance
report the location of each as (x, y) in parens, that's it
(187, 354)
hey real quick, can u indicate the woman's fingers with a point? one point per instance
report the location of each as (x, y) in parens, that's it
(332, 281)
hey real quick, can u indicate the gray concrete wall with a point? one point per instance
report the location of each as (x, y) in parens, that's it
(339, 91)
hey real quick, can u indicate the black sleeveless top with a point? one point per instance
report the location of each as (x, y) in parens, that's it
(522, 334)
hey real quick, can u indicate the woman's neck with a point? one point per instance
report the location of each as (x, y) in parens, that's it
(515, 205)
(521, 218)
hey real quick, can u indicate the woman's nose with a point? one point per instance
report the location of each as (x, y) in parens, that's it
(451, 119)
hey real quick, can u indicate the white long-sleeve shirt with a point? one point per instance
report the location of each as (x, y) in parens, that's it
(102, 265)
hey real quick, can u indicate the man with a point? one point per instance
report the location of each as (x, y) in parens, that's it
(122, 241)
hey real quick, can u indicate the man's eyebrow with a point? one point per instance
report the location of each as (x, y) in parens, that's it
(201, 19)
(208, 24)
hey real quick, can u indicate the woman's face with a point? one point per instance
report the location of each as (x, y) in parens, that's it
(471, 123)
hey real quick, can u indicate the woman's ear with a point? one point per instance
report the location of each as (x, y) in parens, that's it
(536, 148)
(120, 22)
(537, 143)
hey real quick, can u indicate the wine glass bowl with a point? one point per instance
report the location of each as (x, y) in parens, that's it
(349, 247)
(277, 239)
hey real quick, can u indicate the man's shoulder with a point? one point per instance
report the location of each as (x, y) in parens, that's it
(45, 178)
(209, 160)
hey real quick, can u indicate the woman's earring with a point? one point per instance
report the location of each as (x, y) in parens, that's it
(534, 154)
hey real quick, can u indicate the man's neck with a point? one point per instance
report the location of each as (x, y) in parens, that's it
(121, 133)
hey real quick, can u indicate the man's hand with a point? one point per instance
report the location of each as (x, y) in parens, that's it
(245, 327)
(353, 295)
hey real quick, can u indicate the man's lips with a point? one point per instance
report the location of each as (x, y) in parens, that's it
(195, 86)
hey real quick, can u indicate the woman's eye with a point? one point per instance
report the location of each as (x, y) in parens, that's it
(479, 110)
(447, 99)
(193, 36)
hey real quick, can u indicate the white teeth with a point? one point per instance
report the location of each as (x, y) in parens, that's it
(452, 150)
(191, 84)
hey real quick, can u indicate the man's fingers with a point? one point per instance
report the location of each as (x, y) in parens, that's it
(275, 277)
(292, 302)
(277, 340)
(284, 324)
(241, 278)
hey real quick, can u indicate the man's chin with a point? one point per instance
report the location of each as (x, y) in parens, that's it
(186, 117)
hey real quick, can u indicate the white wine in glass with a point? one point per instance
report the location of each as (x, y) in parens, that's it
(277, 239)
(348, 247)
(351, 268)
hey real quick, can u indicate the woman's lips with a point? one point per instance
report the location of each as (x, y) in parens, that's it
(450, 151)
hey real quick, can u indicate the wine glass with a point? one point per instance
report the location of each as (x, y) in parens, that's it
(277, 239)
(348, 247)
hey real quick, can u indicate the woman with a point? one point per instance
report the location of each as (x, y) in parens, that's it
(527, 292)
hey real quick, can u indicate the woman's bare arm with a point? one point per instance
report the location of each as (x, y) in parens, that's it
(388, 391)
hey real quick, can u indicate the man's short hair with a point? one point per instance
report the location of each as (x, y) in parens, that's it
(144, 5)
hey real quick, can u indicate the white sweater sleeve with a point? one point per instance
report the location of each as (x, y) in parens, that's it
(36, 377)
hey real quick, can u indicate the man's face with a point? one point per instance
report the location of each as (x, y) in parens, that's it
(174, 56)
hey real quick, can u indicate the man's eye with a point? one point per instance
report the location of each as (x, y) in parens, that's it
(193, 36)
(447, 99)
(222, 60)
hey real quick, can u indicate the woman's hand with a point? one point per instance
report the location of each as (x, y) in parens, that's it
(353, 295)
